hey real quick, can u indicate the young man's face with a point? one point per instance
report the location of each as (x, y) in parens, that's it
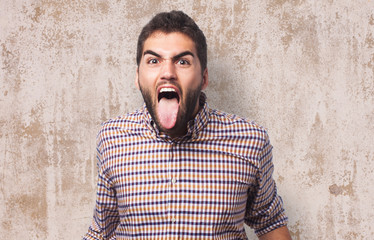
(170, 79)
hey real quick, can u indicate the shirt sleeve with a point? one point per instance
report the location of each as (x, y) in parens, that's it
(265, 210)
(106, 216)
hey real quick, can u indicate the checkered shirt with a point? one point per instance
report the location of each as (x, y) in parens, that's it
(204, 185)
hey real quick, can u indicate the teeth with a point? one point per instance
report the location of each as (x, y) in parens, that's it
(168, 93)
(167, 90)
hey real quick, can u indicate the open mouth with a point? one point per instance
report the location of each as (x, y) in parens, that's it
(168, 106)
(168, 93)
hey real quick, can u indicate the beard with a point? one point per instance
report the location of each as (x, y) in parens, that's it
(186, 112)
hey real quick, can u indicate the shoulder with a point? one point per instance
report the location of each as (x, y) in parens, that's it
(235, 125)
(126, 121)
(128, 124)
(237, 136)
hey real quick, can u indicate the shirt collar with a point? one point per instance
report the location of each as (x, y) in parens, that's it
(194, 126)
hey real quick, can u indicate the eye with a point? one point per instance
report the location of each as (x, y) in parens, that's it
(183, 62)
(152, 61)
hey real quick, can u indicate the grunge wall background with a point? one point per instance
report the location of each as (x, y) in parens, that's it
(302, 68)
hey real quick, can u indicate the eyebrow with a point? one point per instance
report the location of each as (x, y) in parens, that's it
(182, 54)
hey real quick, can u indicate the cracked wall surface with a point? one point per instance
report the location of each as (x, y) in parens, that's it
(304, 69)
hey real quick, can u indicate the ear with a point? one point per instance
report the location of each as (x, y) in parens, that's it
(137, 78)
(205, 79)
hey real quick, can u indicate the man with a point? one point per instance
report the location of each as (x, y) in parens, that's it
(177, 169)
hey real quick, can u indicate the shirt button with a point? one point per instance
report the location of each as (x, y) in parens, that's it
(173, 220)
(173, 181)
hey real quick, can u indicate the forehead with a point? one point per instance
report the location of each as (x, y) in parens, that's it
(174, 42)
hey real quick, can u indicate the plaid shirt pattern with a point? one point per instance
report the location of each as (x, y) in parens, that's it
(204, 185)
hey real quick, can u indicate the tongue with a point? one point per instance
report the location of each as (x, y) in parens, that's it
(167, 112)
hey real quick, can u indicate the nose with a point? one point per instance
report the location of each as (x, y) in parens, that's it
(168, 70)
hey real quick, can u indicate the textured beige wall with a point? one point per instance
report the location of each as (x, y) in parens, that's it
(302, 68)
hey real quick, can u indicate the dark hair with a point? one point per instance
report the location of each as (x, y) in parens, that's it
(174, 21)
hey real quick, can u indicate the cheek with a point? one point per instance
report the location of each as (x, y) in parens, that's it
(147, 78)
(191, 89)
(190, 77)
(194, 81)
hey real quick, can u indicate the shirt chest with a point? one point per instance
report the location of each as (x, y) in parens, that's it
(150, 174)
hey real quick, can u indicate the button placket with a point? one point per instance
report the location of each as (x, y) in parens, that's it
(170, 167)
(174, 169)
